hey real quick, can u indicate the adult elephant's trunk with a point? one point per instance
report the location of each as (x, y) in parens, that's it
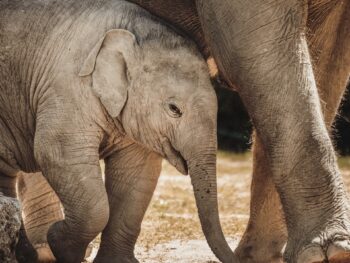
(202, 169)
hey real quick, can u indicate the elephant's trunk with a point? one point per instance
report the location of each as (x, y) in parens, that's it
(203, 176)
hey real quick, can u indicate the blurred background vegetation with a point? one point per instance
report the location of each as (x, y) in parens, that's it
(235, 128)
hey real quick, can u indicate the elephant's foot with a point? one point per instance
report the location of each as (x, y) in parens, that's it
(115, 259)
(25, 252)
(64, 248)
(45, 254)
(336, 251)
(264, 239)
(331, 245)
(254, 250)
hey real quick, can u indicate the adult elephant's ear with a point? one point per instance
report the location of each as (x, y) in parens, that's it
(107, 63)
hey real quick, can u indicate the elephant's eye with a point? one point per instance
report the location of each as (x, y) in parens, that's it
(176, 112)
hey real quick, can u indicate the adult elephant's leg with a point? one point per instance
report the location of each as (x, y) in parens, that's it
(261, 47)
(131, 177)
(266, 233)
(40, 208)
(328, 37)
(70, 162)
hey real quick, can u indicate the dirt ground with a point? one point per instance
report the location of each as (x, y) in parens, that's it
(171, 231)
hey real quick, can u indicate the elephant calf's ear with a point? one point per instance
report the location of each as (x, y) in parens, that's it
(108, 66)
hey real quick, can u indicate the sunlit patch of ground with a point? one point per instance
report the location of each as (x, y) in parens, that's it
(171, 231)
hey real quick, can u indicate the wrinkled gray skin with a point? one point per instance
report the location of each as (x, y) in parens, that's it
(85, 80)
(289, 61)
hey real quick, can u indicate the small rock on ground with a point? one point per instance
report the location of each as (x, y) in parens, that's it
(10, 223)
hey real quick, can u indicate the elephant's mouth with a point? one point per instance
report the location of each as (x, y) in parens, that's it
(174, 157)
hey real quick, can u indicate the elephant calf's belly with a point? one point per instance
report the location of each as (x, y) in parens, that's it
(16, 151)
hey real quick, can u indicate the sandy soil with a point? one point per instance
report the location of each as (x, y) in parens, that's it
(171, 231)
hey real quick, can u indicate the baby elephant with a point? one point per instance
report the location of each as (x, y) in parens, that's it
(84, 80)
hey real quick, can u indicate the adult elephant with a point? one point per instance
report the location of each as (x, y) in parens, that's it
(277, 54)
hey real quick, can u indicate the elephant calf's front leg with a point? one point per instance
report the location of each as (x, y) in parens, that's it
(77, 180)
(131, 177)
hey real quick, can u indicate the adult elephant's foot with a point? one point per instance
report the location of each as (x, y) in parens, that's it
(259, 249)
(115, 259)
(330, 245)
(266, 235)
(264, 239)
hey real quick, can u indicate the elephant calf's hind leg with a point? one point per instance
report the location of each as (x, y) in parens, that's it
(41, 208)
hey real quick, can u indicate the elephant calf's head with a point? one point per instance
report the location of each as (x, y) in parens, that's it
(160, 90)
